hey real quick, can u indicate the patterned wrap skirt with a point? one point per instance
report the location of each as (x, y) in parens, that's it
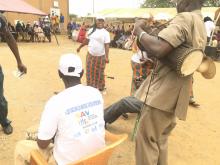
(139, 70)
(95, 67)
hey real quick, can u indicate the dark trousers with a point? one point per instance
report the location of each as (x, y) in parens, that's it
(126, 105)
(3, 102)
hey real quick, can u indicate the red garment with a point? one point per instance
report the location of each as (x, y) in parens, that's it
(81, 35)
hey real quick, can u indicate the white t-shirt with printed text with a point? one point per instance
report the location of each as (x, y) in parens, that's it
(75, 118)
(97, 41)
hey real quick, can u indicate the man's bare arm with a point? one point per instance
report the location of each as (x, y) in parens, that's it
(12, 45)
(155, 46)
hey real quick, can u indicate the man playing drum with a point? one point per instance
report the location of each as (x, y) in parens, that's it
(168, 95)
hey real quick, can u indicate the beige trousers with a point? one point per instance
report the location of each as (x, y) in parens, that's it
(24, 148)
(152, 136)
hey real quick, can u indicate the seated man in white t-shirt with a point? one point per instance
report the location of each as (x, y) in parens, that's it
(73, 118)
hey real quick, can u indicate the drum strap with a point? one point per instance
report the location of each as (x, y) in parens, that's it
(144, 103)
(161, 25)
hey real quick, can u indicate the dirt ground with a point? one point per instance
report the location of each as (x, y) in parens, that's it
(195, 141)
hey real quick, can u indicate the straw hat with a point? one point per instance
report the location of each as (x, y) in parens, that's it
(207, 68)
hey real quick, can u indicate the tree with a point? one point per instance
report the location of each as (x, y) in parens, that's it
(157, 3)
(214, 3)
(167, 3)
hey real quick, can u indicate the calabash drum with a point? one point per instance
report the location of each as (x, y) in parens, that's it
(184, 60)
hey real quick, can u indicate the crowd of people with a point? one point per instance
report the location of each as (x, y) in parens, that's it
(38, 31)
(120, 35)
(75, 116)
(57, 22)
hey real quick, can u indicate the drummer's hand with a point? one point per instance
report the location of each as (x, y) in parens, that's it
(138, 26)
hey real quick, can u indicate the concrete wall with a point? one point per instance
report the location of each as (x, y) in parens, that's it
(43, 5)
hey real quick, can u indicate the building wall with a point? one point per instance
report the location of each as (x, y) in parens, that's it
(43, 5)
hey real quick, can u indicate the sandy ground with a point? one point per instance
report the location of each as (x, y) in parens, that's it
(195, 141)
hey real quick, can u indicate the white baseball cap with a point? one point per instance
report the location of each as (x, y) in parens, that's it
(100, 17)
(70, 65)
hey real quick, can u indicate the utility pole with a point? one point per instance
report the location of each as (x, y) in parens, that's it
(93, 10)
(68, 10)
(41, 5)
(93, 7)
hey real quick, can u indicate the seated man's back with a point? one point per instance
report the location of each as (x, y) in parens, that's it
(76, 117)
(73, 119)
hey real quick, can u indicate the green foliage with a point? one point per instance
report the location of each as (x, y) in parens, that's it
(210, 3)
(73, 15)
(157, 3)
(167, 3)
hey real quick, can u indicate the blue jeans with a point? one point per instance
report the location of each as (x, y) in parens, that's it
(3, 102)
(128, 104)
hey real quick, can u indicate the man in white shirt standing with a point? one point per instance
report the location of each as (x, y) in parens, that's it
(73, 118)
